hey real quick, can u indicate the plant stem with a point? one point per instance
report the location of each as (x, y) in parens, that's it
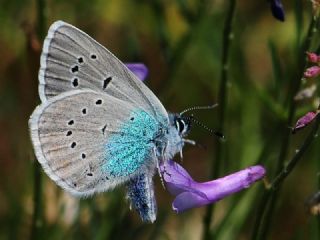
(37, 205)
(293, 162)
(175, 59)
(222, 100)
(269, 198)
(37, 221)
(271, 195)
(42, 18)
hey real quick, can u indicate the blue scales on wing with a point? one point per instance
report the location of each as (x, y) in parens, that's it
(132, 147)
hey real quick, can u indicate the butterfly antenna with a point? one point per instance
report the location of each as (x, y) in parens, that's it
(198, 107)
(216, 133)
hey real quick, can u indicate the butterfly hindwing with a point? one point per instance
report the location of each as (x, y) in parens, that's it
(72, 60)
(75, 138)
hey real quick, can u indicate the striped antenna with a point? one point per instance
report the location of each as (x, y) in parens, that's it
(198, 107)
(216, 133)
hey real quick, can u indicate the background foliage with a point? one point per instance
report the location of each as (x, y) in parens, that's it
(198, 53)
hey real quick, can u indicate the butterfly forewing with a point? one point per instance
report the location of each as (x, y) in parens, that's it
(73, 60)
(72, 134)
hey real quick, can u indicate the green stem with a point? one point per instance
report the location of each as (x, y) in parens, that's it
(269, 198)
(293, 162)
(37, 221)
(222, 100)
(42, 22)
(37, 205)
(176, 57)
(162, 32)
(271, 195)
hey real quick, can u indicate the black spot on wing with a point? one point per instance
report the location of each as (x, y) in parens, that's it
(106, 82)
(80, 60)
(75, 69)
(73, 144)
(99, 102)
(75, 82)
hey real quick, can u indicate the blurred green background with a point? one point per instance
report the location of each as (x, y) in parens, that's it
(181, 42)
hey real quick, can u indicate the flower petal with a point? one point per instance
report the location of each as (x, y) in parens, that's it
(176, 177)
(223, 187)
(139, 69)
(277, 10)
(188, 200)
(190, 194)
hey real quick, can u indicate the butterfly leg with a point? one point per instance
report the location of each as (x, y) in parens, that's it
(181, 155)
(157, 162)
(186, 141)
(189, 141)
(140, 193)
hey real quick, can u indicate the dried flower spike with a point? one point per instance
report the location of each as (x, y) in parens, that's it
(304, 121)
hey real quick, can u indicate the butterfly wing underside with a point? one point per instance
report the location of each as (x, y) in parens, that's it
(71, 60)
(70, 134)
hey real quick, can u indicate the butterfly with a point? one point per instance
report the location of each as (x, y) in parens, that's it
(98, 126)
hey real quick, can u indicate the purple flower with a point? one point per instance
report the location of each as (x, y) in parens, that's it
(304, 121)
(190, 194)
(139, 69)
(277, 10)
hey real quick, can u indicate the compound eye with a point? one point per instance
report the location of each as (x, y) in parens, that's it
(180, 125)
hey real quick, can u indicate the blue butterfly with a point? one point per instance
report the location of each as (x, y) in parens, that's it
(98, 125)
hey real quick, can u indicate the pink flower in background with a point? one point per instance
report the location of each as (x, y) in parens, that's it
(191, 194)
(311, 72)
(312, 57)
(304, 121)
